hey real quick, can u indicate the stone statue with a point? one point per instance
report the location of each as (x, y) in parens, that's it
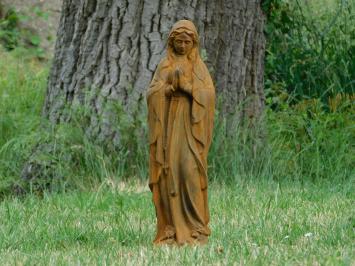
(181, 103)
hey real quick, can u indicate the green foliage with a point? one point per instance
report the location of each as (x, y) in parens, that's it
(14, 34)
(310, 50)
(22, 83)
(68, 155)
(252, 223)
(312, 143)
(9, 32)
(303, 142)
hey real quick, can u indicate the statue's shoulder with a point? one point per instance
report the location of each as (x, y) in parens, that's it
(200, 69)
(202, 64)
(164, 63)
(161, 67)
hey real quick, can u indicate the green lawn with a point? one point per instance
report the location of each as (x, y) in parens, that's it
(253, 223)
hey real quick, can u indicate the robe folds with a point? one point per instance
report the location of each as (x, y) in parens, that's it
(180, 134)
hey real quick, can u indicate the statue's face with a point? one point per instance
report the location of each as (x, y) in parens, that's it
(183, 44)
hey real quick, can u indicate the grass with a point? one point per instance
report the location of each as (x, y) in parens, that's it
(252, 222)
(22, 84)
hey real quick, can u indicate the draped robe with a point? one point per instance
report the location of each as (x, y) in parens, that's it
(180, 133)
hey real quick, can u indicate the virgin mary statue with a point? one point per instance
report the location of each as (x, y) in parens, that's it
(181, 103)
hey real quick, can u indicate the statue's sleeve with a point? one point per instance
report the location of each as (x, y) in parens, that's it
(154, 102)
(156, 105)
(203, 106)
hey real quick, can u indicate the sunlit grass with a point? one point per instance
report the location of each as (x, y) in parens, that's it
(259, 223)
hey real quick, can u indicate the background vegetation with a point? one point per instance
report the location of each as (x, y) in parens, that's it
(293, 200)
(310, 50)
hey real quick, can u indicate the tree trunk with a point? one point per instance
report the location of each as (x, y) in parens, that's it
(107, 51)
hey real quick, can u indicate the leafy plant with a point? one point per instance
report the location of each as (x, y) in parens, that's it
(310, 51)
(14, 35)
(9, 32)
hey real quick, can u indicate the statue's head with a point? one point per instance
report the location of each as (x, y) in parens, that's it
(182, 43)
(183, 39)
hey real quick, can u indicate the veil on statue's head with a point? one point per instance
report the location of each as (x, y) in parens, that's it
(184, 26)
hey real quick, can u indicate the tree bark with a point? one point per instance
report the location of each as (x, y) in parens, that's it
(107, 51)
